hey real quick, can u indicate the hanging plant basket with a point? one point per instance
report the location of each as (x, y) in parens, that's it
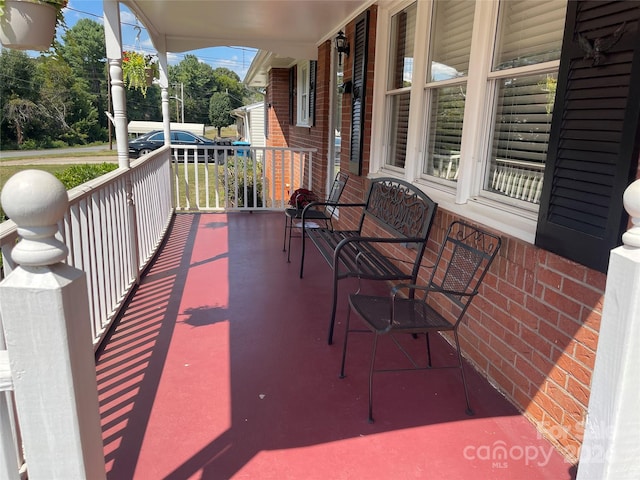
(138, 70)
(27, 25)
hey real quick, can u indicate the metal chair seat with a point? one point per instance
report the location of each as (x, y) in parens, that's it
(411, 316)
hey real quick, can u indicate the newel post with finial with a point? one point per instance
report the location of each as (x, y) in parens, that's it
(45, 310)
(610, 448)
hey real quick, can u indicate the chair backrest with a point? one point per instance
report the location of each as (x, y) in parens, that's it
(336, 190)
(464, 258)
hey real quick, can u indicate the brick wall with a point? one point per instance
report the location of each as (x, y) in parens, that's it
(277, 100)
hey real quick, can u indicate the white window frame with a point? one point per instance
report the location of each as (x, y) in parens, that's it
(464, 197)
(303, 90)
(393, 92)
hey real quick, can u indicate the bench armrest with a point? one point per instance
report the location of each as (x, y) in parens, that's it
(370, 240)
(343, 243)
(330, 204)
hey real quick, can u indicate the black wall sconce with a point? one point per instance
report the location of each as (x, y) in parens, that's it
(342, 46)
(346, 87)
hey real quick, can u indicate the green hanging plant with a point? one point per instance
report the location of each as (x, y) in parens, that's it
(138, 70)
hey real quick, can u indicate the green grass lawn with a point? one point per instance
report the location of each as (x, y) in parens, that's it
(212, 193)
(7, 171)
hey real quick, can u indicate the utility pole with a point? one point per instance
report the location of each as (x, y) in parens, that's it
(179, 99)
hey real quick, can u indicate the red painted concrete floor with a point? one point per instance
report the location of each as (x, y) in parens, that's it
(219, 368)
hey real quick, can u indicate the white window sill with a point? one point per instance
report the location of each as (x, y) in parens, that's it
(495, 215)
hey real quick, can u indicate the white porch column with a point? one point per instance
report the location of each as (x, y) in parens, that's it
(611, 446)
(113, 41)
(164, 92)
(45, 310)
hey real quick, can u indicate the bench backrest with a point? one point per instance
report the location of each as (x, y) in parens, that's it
(402, 209)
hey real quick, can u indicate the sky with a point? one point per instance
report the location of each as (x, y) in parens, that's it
(135, 37)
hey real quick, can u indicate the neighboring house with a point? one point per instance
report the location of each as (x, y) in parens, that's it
(250, 123)
(510, 115)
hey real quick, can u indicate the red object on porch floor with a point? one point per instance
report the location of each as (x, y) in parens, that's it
(219, 368)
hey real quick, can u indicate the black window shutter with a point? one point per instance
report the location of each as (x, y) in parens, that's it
(313, 69)
(292, 95)
(360, 47)
(593, 143)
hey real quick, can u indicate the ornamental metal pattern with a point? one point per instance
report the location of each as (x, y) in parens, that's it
(400, 207)
(474, 238)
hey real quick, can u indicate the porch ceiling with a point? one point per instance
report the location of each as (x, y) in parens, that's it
(288, 28)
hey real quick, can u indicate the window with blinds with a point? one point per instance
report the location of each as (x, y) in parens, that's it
(529, 34)
(449, 51)
(303, 94)
(403, 29)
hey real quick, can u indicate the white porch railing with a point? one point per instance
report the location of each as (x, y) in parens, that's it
(111, 236)
(108, 239)
(113, 240)
(239, 178)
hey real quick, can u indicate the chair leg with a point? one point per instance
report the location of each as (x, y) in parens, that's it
(373, 361)
(302, 252)
(344, 345)
(286, 224)
(334, 305)
(428, 349)
(468, 411)
(289, 247)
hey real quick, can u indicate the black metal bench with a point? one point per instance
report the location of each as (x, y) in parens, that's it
(393, 212)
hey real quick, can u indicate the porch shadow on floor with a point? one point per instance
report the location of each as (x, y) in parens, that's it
(219, 368)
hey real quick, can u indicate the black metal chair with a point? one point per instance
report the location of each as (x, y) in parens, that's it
(462, 263)
(323, 213)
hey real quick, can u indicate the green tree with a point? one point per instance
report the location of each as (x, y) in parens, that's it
(147, 108)
(21, 113)
(18, 87)
(228, 81)
(199, 82)
(220, 108)
(68, 103)
(85, 51)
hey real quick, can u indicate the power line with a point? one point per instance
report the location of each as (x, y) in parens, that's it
(182, 55)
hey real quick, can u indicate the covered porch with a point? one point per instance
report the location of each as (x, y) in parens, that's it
(216, 366)
(219, 368)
